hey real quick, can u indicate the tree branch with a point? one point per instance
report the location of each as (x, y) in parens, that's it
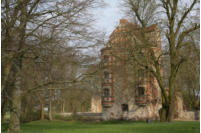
(184, 33)
(184, 16)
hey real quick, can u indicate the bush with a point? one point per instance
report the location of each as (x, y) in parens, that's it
(30, 116)
(74, 116)
(61, 117)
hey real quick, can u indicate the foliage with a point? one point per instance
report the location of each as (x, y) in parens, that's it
(30, 116)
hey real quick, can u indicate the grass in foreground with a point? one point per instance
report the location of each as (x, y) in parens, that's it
(107, 127)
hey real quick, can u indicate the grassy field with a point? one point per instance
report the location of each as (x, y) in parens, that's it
(107, 127)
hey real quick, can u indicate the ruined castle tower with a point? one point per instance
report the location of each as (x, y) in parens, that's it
(126, 94)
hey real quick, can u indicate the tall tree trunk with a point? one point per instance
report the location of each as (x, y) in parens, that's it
(170, 116)
(50, 105)
(14, 125)
(63, 106)
(3, 110)
(42, 115)
(4, 104)
(57, 106)
(171, 110)
(172, 78)
(7, 69)
(163, 112)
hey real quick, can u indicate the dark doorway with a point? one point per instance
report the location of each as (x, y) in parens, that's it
(124, 107)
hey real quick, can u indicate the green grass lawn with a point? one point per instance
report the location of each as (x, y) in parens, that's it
(107, 127)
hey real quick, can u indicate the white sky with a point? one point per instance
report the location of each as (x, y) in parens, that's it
(108, 17)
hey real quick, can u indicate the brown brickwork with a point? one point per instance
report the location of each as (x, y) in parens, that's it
(114, 96)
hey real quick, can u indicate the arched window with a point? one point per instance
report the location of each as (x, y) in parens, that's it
(106, 92)
(106, 75)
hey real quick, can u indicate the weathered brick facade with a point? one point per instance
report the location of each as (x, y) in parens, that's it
(119, 98)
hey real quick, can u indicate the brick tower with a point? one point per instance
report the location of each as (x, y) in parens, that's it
(120, 100)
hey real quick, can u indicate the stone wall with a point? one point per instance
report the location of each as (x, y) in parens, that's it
(189, 115)
(149, 111)
(181, 114)
(143, 94)
(96, 104)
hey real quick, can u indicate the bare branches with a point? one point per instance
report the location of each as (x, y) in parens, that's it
(47, 32)
(166, 6)
(144, 11)
(176, 35)
(136, 9)
(184, 16)
(48, 85)
(184, 34)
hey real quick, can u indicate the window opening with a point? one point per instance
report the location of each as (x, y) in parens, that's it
(141, 91)
(124, 107)
(106, 92)
(106, 75)
(106, 58)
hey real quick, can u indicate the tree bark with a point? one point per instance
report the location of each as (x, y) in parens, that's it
(4, 104)
(63, 107)
(3, 110)
(14, 125)
(6, 73)
(50, 105)
(171, 111)
(163, 113)
(42, 115)
(16, 97)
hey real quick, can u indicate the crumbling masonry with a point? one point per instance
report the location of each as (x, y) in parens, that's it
(120, 101)
(131, 93)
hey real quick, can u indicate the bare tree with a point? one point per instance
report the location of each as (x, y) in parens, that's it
(176, 26)
(29, 24)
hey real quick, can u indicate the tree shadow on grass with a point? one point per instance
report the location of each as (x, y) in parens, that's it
(4, 127)
(122, 122)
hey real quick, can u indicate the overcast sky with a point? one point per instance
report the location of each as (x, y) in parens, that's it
(109, 16)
